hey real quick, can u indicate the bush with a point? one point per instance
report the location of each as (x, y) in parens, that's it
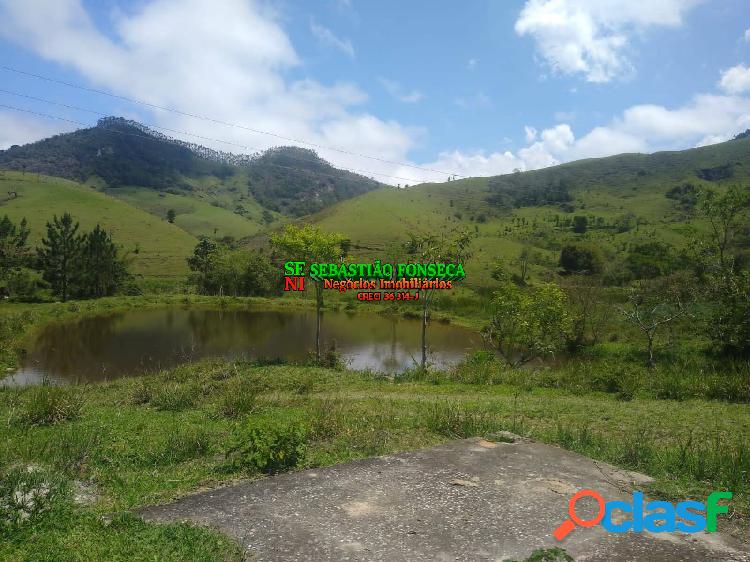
(52, 404)
(239, 399)
(27, 495)
(174, 397)
(267, 444)
(581, 258)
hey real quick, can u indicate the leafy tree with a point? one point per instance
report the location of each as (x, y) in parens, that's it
(649, 260)
(101, 270)
(653, 305)
(580, 224)
(171, 215)
(59, 254)
(202, 264)
(580, 258)
(310, 245)
(433, 249)
(14, 254)
(527, 323)
(726, 282)
(724, 212)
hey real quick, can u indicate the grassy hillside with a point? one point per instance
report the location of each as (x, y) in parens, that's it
(195, 214)
(162, 247)
(624, 199)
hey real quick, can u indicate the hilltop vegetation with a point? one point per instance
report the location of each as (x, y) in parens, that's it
(120, 153)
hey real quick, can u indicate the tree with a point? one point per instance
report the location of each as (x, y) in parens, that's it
(654, 305)
(726, 282)
(14, 250)
(581, 258)
(201, 263)
(589, 309)
(171, 215)
(527, 323)
(310, 245)
(724, 213)
(433, 249)
(101, 270)
(59, 253)
(580, 224)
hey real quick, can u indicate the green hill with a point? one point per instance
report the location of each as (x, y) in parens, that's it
(161, 247)
(627, 200)
(119, 153)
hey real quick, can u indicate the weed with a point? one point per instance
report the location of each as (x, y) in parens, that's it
(47, 405)
(267, 444)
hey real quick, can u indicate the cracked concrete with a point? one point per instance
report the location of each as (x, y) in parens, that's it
(465, 500)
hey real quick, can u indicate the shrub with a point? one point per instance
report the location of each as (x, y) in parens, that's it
(239, 399)
(174, 397)
(267, 444)
(581, 258)
(52, 404)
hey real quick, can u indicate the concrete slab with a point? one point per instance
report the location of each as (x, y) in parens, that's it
(466, 500)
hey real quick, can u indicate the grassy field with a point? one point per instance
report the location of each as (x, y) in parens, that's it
(135, 442)
(608, 189)
(162, 247)
(197, 217)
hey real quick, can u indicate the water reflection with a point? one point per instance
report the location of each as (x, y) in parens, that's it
(130, 343)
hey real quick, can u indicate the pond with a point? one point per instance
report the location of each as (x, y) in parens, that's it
(134, 342)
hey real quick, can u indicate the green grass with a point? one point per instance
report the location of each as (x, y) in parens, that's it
(163, 247)
(195, 215)
(141, 448)
(608, 188)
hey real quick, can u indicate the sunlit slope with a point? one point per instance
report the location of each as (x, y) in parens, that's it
(161, 247)
(627, 187)
(196, 215)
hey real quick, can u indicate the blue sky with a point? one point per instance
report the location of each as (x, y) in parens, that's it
(473, 88)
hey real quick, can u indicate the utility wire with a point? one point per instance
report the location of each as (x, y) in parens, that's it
(172, 142)
(220, 122)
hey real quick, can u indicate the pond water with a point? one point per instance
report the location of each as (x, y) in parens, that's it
(130, 343)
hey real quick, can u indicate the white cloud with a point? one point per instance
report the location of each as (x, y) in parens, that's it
(530, 133)
(472, 64)
(224, 59)
(747, 36)
(592, 37)
(735, 80)
(327, 37)
(19, 128)
(397, 91)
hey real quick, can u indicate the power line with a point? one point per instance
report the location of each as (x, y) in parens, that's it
(171, 141)
(224, 123)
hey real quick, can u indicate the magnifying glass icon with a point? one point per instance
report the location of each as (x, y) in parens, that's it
(569, 524)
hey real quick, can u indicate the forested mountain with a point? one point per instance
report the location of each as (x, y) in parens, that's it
(121, 153)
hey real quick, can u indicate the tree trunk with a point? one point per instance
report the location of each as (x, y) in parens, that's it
(424, 336)
(318, 307)
(651, 361)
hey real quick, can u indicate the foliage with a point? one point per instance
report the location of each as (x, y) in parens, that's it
(267, 444)
(59, 253)
(220, 270)
(101, 271)
(47, 405)
(580, 224)
(528, 323)
(650, 260)
(310, 245)
(581, 258)
(654, 305)
(729, 325)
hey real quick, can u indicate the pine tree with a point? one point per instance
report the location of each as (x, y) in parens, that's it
(13, 244)
(100, 269)
(59, 253)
